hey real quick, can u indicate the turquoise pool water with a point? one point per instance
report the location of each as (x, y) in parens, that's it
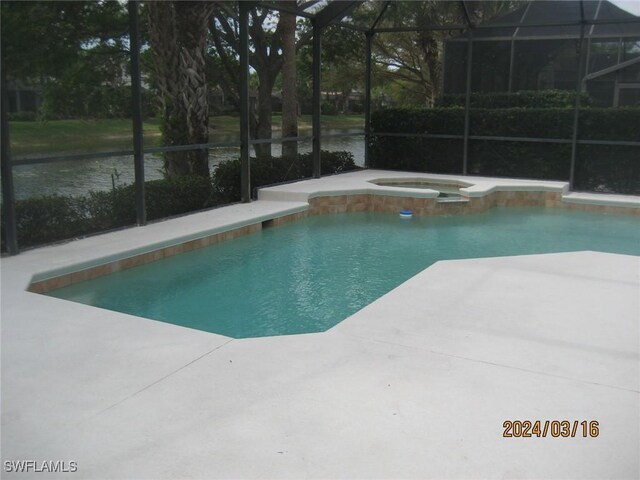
(308, 276)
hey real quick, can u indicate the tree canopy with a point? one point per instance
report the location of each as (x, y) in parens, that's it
(77, 51)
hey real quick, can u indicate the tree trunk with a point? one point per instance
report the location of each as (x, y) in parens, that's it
(178, 34)
(289, 94)
(431, 55)
(263, 123)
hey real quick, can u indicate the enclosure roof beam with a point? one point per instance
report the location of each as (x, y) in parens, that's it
(382, 12)
(341, 8)
(595, 17)
(305, 5)
(528, 25)
(467, 17)
(561, 24)
(605, 21)
(521, 25)
(460, 26)
(612, 69)
(508, 38)
(357, 28)
(524, 15)
(280, 8)
(334, 12)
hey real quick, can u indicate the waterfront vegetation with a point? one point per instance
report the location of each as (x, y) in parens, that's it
(52, 218)
(84, 135)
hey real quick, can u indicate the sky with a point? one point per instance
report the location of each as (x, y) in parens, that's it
(632, 6)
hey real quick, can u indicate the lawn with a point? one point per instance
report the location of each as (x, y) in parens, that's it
(51, 137)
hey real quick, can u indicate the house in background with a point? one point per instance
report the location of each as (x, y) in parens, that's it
(23, 97)
(508, 59)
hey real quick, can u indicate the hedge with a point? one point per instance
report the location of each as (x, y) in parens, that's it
(594, 123)
(226, 177)
(51, 218)
(546, 161)
(522, 99)
(613, 168)
(403, 120)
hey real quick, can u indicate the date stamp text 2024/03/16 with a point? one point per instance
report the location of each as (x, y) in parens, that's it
(550, 428)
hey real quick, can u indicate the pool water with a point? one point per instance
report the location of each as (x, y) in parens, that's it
(310, 275)
(444, 190)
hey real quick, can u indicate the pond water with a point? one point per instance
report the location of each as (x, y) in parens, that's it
(77, 177)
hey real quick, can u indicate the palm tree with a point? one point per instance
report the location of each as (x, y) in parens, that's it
(178, 35)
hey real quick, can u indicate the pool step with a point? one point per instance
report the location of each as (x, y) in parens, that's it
(452, 200)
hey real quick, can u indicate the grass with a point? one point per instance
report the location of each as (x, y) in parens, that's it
(42, 138)
(57, 136)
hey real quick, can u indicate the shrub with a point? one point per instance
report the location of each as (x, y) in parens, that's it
(404, 120)
(522, 99)
(608, 168)
(226, 181)
(522, 122)
(613, 169)
(357, 108)
(47, 219)
(547, 161)
(165, 198)
(226, 177)
(610, 124)
(22, 116)
(110, 209)
(52, 218)
(329, 108)
(433, 155)
(330, 163)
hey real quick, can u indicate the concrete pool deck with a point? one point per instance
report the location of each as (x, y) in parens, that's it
(415, 385)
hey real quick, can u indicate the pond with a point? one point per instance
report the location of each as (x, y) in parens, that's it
(77, 177)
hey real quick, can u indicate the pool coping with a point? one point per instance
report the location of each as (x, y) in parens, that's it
(364, 182)
(357, 192)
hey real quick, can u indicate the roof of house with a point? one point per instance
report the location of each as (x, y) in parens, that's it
(542, 14)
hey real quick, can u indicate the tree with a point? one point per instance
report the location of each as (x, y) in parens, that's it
(414, 59)
(42, 39)
(77, 52)
(266, 58)
(178, 36)
(343, 61)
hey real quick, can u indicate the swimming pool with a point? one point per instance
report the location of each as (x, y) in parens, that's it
(309, 275)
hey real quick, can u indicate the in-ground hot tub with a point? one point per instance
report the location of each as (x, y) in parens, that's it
(446, 190)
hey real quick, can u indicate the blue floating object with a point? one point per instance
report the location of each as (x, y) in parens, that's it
(406, 214)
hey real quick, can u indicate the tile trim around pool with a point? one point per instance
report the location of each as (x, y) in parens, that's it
(52, 280)
(330, 203)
